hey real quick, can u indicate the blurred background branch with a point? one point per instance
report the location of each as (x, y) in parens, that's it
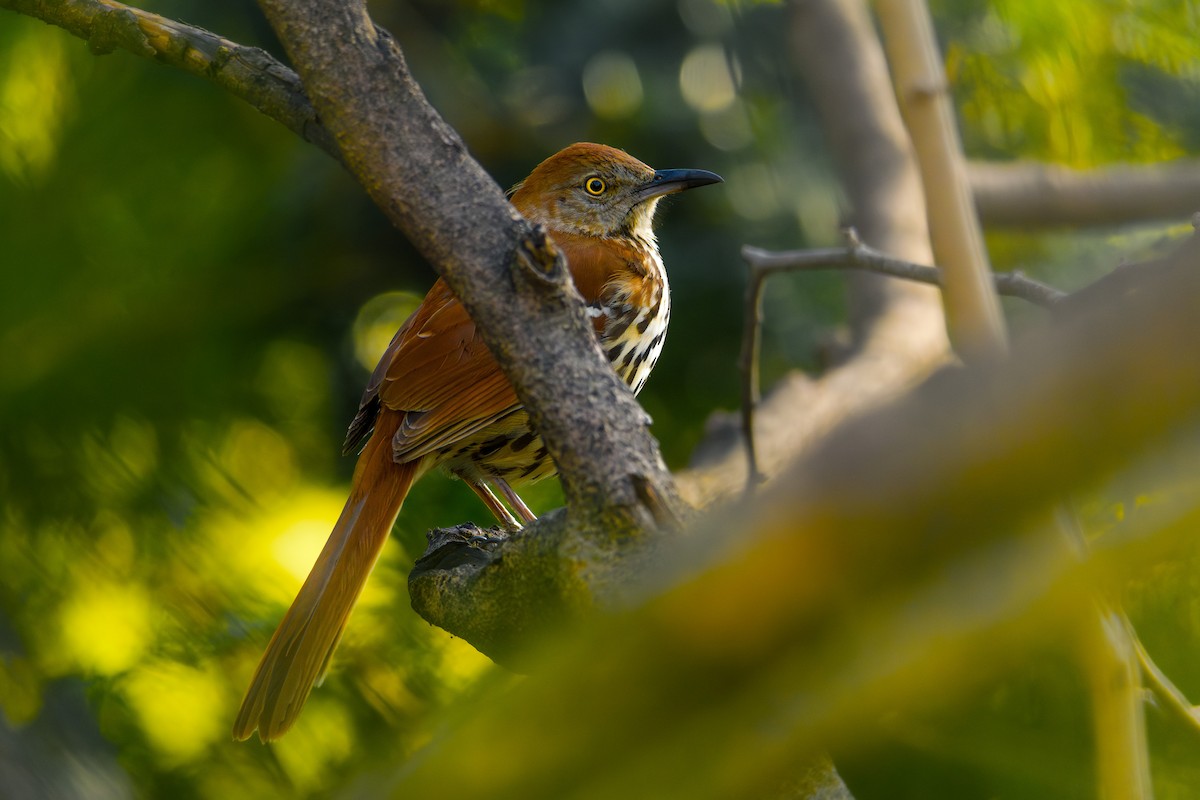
(898, 330)
(1032, 195)
(830, 592)
(973, 320)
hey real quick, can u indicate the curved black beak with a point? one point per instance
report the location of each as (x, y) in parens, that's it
(669, 181)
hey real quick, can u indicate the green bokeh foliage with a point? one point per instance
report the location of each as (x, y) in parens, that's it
(179, 282)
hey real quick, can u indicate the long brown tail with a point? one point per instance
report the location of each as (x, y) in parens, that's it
(299, 652)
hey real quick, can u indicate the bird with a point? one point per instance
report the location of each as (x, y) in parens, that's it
(438, 400)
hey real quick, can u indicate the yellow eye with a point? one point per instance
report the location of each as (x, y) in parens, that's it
(594, 186)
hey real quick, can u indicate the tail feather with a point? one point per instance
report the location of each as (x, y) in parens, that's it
(299, 653)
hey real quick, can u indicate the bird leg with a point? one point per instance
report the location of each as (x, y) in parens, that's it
(493, 503)
(515, 500)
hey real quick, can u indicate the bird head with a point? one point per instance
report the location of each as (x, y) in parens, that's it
(596, 190)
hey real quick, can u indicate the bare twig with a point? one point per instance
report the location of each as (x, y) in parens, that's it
(897, 327)
(855, 255)
(246, 72)
(838, 54)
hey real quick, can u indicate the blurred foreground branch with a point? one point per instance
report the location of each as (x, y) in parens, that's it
(246, 72)
(908, 529)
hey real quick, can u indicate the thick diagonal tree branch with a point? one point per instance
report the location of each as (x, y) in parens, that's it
(418, 171)
(375, 120)
(507, 274)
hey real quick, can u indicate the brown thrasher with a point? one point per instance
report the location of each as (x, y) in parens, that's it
(438, 399)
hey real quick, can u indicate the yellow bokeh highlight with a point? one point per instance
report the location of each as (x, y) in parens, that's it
(612, 85)
(752, 191)
(296, 547)
(105, 626)
(272, 549)
(36, 89)
(181, 708)
(461, 664)
(294, 533)
(377, 322)
(728, 128)
(707, 79)
(258, 459)
(322, 738)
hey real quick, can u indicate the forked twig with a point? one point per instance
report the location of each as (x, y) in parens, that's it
(855, 255)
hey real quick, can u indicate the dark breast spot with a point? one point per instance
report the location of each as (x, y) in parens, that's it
(618, 326)
(491, 446)
(651, 314)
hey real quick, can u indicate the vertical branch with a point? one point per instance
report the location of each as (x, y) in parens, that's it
(1110, 660)
(1109, 655)
(972, 310)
